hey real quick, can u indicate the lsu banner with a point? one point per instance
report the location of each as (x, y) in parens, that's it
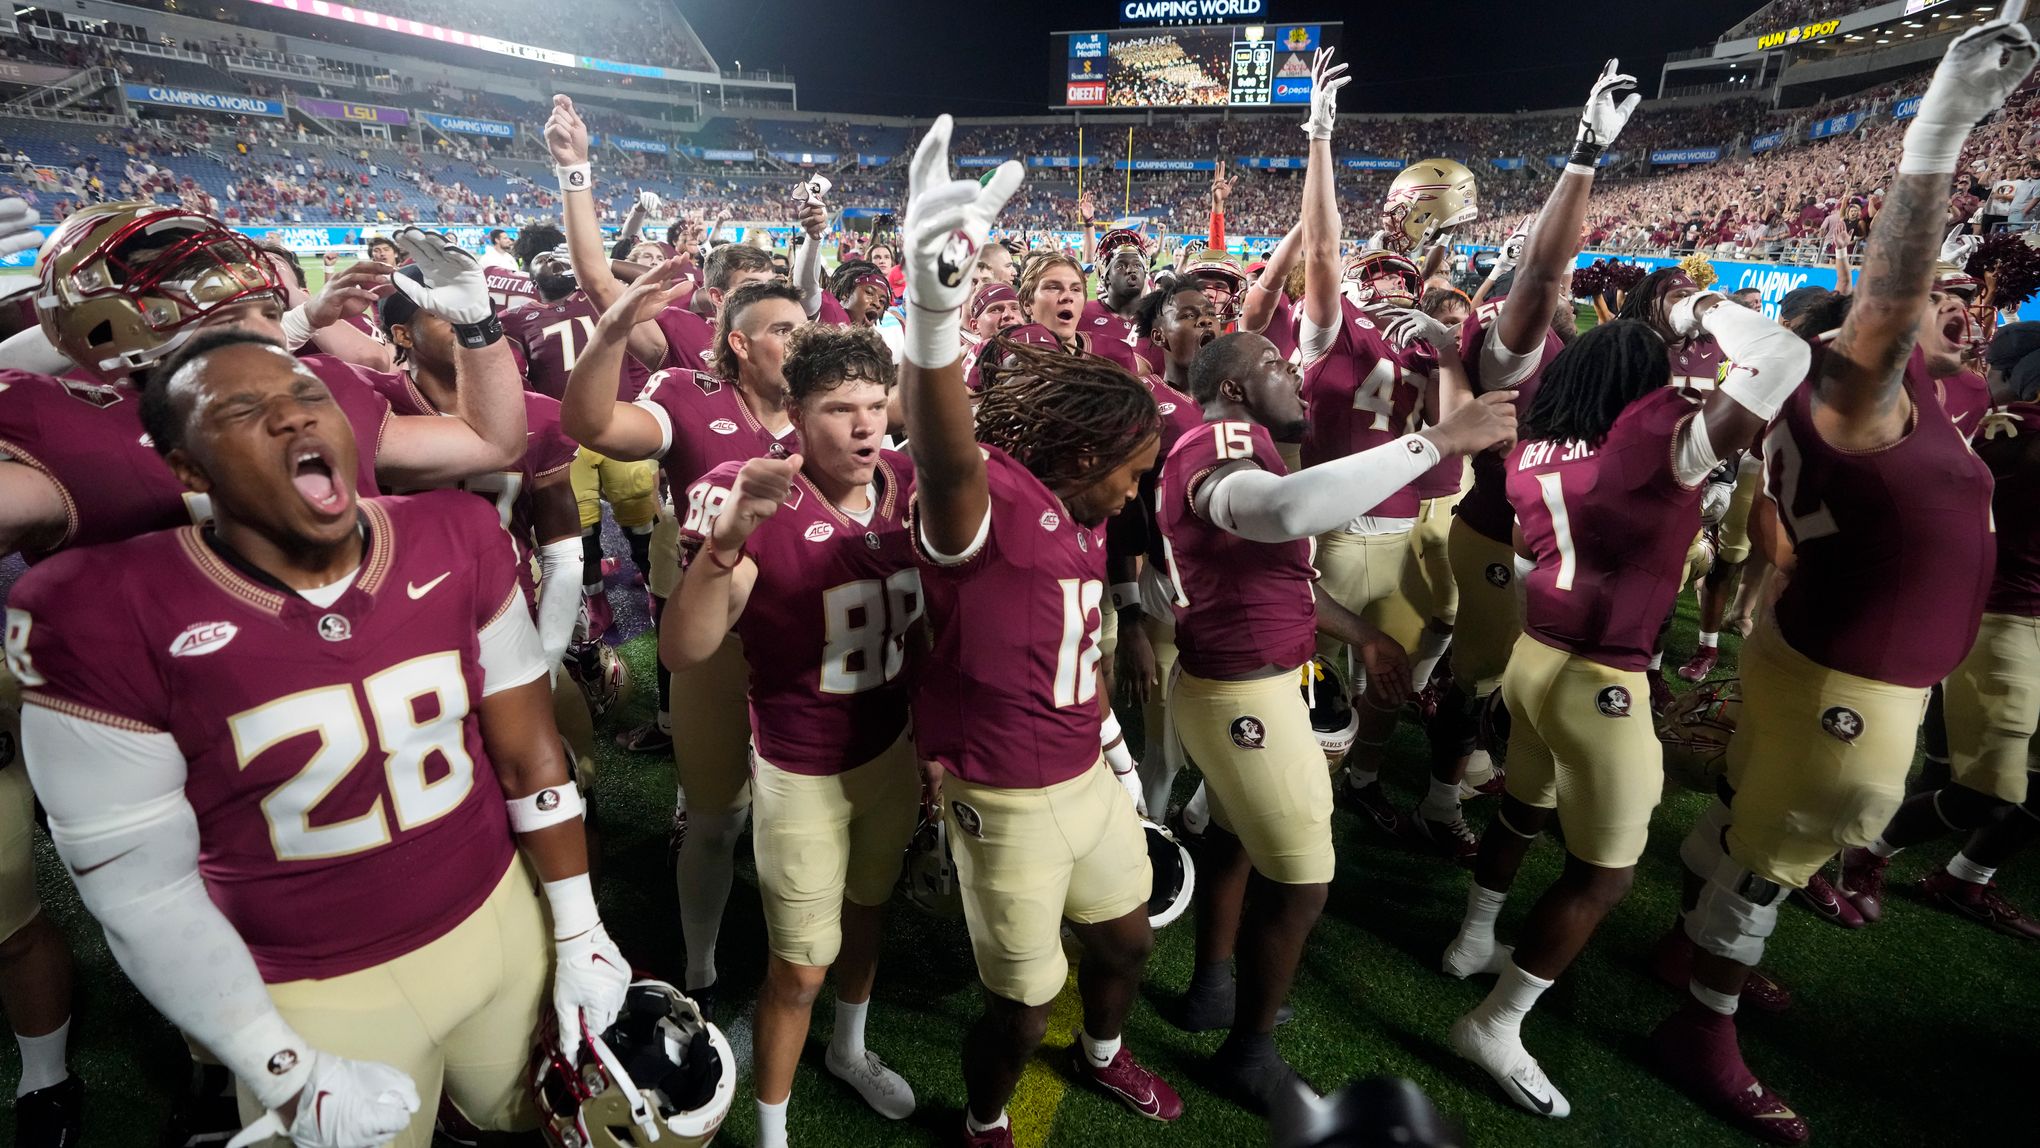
(1906, 109)
(235, 105)
(29, 75)
(1834, 125)
(1678, 155)
(356, 113)
(467, 125)
(1766, 142)
(1371, 163)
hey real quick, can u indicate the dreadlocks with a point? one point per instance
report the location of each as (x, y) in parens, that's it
(1641, 301)
(1588, 386)
(1070, 419)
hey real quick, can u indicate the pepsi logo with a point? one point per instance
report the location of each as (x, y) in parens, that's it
(203, 638)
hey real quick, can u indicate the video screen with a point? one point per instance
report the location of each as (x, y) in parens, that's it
(1245, 65)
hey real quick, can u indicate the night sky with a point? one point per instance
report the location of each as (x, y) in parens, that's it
(991, 57)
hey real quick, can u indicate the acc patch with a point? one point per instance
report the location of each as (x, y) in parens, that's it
(335, 628)
(1050, 520)
(1612, 701)
(1842, 723)
(203, 638)
(723, 426)
(1249, 733)
(1498, 575)
(819, 532)
(967, 819)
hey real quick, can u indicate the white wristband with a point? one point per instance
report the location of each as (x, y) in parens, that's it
(1125, 594)
(1579, 169)
(575, 176)
(548, 807)
(572, 901)
(297, 328)
(1932, 148)
(1119, 758)
(283, 1058)
(934, 338)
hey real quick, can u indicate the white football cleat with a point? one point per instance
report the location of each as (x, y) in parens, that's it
(885, 1090)
(1465, 956)
(1512, 1066)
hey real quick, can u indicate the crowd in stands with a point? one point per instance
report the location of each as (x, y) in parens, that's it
(1780, 14)
(631, 31)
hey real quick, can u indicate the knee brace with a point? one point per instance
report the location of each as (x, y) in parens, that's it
(1961, 808)
(1702, 849)
(1737, 910)
(1502, 819)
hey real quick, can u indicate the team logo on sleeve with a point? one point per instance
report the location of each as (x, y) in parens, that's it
(335, 628)
(1248, 732)
(967, 819)
(1842, 723)
(1498, 575)
(203, 638)
(1050, 520)
(1612, 701)
(282, 1062)
(548, 800)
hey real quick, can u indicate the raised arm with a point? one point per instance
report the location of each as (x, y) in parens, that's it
(589, 410)
(566, 137)
(717, 584)
(807, 258)
(1766, 363)
(1263, 292)
(1320, 222)
(946, 222)
(1858, 392)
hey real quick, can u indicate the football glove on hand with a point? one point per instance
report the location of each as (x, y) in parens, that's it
(1411, 325)
(346, 1104)
(1957, 248)
(947, 221)
(1684, 317)
(590, 981)
(1130, 781)
(1326, 78)
(454, 288)
(1982, 67)
(650, 203)
(1512, 249)
(17, 227)
(1603, 118)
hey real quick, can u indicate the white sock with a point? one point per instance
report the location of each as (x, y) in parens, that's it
(665, 722)
(847, 1043)
(1431, 647)
(772, 1124)
(707, 866)
(1962, 868)
(1883, 848)
(1722, 1003)
(971, 1122)
(1441, 803)
(1197, 811)
(42, 1059)
(1657, 659)
(1510, 1000)
(1710, 638)
(1483, 906)
(679, 797)
(1479, 767)
(1098, 1052)
(1361, 778)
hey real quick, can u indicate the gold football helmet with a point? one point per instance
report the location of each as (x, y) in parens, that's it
(1361, 279)
(124, 283)
(1221, 277)
(1431, 194)
(661, 1075)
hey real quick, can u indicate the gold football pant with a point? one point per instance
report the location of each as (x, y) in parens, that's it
(630, 488)
(1490, 609)
(1365, 574)
(1264, 771)
(1991, 704)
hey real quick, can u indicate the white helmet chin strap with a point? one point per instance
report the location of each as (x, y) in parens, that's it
(641, 1112)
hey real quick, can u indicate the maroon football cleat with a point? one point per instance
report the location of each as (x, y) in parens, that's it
(1672, 963)
(1660, 691)
(1000, 1137)
(1696, 1049)
(1820, 896)
(1700, 664)
(1452, 840)
(1862, 882)
(1372, 802)
(1980, 903)
(1136, 1087)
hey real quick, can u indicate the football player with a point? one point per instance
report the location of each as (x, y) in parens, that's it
(347, 938)
(1993, 698)
(808, 559)
(994, 310)
(1266, 309)
(1887, 512)
(1238, 528)
(1123, 281)
(1009, 707)
(693, 421)
(355, 338)
(1606, 481)
(1052, 293)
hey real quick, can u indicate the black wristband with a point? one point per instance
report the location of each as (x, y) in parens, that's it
(475, 336)
(1585, 154)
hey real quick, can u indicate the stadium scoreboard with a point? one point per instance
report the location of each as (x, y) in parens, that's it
(1208, 66)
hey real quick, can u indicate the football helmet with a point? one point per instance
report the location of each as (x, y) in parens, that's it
(1494, 728)
(1175, 875)
(601, 674)
(1430, 194)
(1219, 268)
(1695, 730)
(1332, 716)
(124, 283)
(1360, 279)
(928, 878)
(1120, 237)
(1983, 318)
(661, 1075)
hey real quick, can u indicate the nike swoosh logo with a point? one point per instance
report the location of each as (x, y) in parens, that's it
(1542, 1104)
(103, 864)
(416, 591)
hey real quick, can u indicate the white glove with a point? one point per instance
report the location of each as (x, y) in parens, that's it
(1957, 248)
(1512, 249)
(454, 287)
(1603, 118)
(650, 203)
(1410, 325)
(1714, 501)
(17, 227)
(1130, 781)
(947, 220)
(1326, 78)
(590, 981)
(346, 1104)
(1682, 317)
(1982, 67)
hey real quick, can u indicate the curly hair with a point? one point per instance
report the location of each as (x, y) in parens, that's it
(821, 357)
(721, 359)
(843, 281)
(1588, 386)
(1070, 419)
(534, 241)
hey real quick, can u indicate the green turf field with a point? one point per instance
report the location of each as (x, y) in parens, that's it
(1912, 1032)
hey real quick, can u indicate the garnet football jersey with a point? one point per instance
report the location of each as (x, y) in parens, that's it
(1696, 363)
(1967, 396)
(1009, 697)
(2009, 444)
(1486, 505)
(1281, 328)
(87, 439)
(347, 810)
(1180, 416)
(829, 625)
(1609, 527)
(1360, 396)
(509, 287)
(1104, 324)
(707, 424)
(689, 337)
(1893, 548)
(1241, 606)
(553, 336)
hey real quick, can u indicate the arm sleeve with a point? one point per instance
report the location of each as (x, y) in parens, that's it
(510, 649)
(807, 275)
(1265, 507)
(1693, 457)
(1312, 341)
(647, 403)
(1766, 361)
(1501, 368)
(120, 821)
(559, 595)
